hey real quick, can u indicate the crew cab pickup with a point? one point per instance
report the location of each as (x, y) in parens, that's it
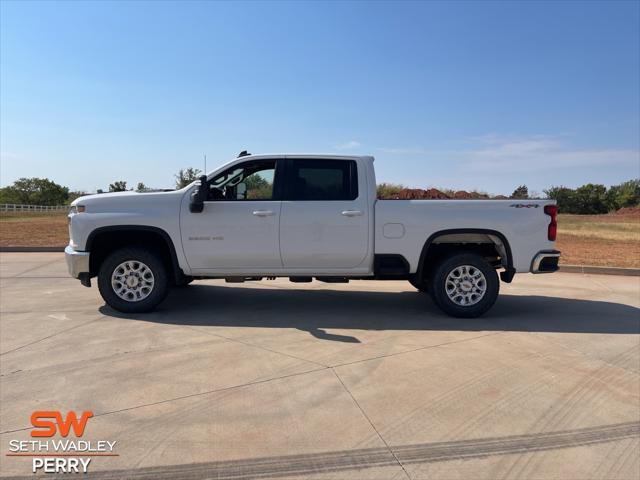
(304, 217)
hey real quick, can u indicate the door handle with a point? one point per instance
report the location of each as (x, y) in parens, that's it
(352, 213)
(264, 213)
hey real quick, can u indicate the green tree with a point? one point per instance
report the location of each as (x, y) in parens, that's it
(591, 199)
(119, 186)
(627, 194)
(388, 190)
(34, 191)
(564, 197)
(521, 192)
(141, 187)
(185, 176)
(258, 187)
(9, 195)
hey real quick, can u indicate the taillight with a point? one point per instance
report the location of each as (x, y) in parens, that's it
(552, 230)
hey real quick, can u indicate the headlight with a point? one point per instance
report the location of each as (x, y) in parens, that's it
(76, 209)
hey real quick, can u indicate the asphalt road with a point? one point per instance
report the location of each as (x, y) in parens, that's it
(364, 381)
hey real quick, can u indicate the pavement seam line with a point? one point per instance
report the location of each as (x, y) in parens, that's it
(50, 336)
(371, 423)
(257, 346)
(590, 357)
(192, 395)
(426, 347)
(355, 361)
(108, 357)
(66, 310)
(597, 283)
(36, 276)
(35, 268)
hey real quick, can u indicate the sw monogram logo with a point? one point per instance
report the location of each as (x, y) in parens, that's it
(47, 422)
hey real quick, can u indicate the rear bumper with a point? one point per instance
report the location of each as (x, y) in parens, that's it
(77, 262)
(545, 261)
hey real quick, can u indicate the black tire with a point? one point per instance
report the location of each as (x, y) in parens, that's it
(157, 293)
(184, 281)
(439, 285)
(419, 285)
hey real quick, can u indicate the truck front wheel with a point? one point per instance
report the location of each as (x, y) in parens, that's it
(465, 285)
(420, 285)
(133, 280)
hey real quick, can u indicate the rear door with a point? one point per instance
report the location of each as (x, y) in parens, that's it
(324, 220)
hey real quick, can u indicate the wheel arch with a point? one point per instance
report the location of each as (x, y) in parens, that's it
(506, 276)
(104, 240)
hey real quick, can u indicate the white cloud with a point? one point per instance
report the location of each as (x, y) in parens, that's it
(348, 145)
(536, 152)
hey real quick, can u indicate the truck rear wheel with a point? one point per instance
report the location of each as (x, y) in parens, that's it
(133, 280)
(465, 285)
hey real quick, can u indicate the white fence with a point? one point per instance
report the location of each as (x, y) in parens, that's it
(12, 207)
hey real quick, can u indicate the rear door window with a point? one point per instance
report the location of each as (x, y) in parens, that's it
(311, 179)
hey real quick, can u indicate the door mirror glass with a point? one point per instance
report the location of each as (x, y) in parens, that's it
(198, 196)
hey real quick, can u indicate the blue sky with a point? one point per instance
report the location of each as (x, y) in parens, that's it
(484, 95)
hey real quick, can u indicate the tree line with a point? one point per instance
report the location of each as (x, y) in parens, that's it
(596, 198)
(42, 191)
(586, 199)
(589, 199)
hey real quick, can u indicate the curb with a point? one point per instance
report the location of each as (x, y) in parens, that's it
(599, 270)
(32, 249)
(632, 272)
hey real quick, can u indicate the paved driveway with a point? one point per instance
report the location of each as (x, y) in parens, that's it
(366, 380)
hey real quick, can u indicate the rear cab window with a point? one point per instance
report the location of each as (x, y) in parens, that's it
(320, 179)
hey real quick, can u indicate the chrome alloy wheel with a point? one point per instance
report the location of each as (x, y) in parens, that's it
(465, 285)
(132, 281)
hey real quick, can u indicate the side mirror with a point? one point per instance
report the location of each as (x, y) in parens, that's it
(198, 196)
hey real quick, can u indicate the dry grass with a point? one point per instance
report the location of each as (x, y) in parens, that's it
(33, 229)
(607, 227)
(607, 240)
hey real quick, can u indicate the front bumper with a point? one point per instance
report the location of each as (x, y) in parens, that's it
(77, 262)
(545, 261)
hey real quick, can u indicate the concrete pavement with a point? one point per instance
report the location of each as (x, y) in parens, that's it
(364, 380)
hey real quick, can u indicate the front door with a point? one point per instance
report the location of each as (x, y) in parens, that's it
(238, 229)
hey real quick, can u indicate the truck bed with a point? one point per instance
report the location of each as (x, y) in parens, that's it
(401, 226)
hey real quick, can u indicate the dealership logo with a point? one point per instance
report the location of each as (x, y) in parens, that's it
(66, 455)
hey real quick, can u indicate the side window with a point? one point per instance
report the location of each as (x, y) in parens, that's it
(323, 180)
(247, 181)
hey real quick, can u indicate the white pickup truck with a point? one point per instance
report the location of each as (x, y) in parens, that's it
(305, 217)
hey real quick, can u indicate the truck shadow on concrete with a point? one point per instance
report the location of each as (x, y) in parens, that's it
(315, 310)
